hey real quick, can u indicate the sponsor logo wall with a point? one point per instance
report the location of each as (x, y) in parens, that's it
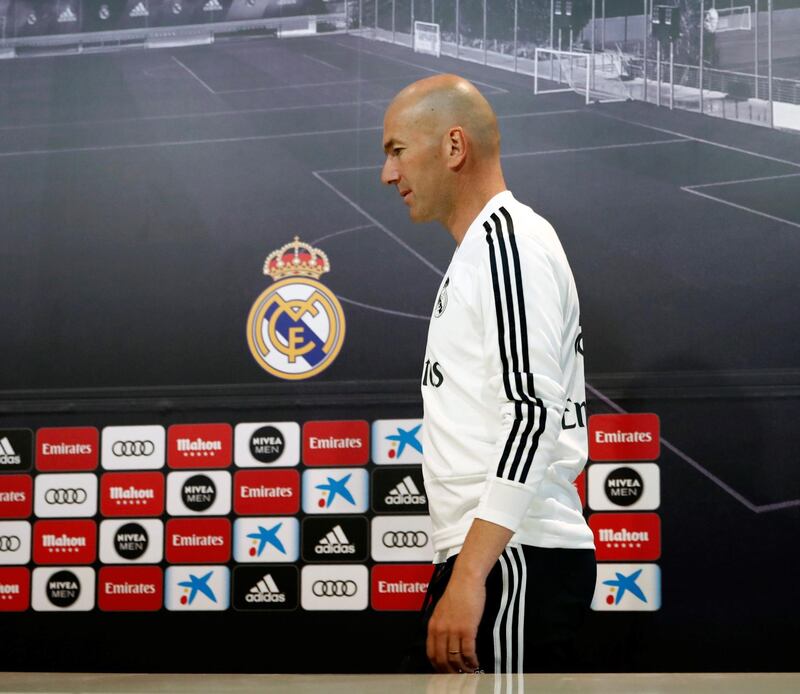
(254, 516)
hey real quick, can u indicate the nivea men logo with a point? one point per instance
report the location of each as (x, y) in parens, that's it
(63, 588)
(432, 374)
(335, 538)
(265, 587)
(199, 493)
(131, 541)
(624, 486)
(399, 490)
(267, 444)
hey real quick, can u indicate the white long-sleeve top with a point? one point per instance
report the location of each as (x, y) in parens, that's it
(504, 427)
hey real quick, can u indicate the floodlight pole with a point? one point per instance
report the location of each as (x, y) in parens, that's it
(702, 49)
(376, 17)
(590, 78)
(658, 71)
(433, 11)
(458, 28)
(360, 14)
(394, 12)
(644, 50)
(552, 23)
(756, 52)
(671, 74)
(769, 65)
(485, 48)
(413, 40)
(516, 18)
(603, 25)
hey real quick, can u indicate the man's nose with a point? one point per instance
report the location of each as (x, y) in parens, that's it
(389, 175)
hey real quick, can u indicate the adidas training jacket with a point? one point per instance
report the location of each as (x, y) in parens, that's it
(504, 428)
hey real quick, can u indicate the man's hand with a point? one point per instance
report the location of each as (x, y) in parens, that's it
(453, 627)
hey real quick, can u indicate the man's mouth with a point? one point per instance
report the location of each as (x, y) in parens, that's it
(405, 194)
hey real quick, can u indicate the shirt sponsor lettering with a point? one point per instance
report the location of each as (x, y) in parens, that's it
(334, 587)
(15, 589)
(267, 444)
(265, 587)
(130, 588)
(627, 588)
(65, 495)
(64, 541)
(626, 536)
(67, 449)
(400, 587)
(624, 437)
(191, 540)
(16, 496)
(16, 450)
(336, 443)
(266, 492)
(200, 445)
(132, 494)
(624, 486)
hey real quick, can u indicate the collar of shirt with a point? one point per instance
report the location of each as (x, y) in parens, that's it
(476, 227)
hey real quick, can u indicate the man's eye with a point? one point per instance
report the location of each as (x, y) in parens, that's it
(397, 150)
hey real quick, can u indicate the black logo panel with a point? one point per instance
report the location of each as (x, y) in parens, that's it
(624, 486)
(399, 490)
(334, 539)
(199, 493)
(267, 444)
(265, 587)
(16, 450)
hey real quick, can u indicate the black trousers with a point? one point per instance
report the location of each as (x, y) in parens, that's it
(536, 600)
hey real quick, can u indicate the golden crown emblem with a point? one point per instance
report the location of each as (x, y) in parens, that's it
(296, 258)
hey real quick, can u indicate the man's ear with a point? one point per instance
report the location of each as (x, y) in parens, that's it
(456, 144)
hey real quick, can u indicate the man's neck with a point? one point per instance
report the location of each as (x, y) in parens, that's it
(470, 200)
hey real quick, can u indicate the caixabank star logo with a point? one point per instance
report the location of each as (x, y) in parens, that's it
(296, 327)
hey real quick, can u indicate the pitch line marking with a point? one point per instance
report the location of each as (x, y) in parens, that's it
(380, 309)
(323, 62)
(742, 180)
(340, 232)
(193, 75)
(688, 189)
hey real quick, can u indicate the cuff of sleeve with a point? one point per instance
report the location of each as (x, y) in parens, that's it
(504, 502)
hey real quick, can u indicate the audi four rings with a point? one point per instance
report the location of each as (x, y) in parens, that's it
(133, 448)
(9, 543)
(406, 538)
(334, 588)
(65, 496)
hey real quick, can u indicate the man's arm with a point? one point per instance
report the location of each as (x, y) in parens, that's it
(454, 625)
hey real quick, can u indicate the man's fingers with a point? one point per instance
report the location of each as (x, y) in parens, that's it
(455, 655)
(469, 654)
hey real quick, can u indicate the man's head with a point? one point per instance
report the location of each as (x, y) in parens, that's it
(439, 135)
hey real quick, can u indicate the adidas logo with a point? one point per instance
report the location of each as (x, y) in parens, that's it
(406, 492)
(67, 16)
(266, 590)
(8, 456)
(212, 6)
(139, 11)
(335, 542)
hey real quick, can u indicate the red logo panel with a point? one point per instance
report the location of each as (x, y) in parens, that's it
(400, 586)
(15, 589)
(130, 588)
(67, 448)
(266, 492)
(626, 536)
(200, 445)
(198, 540)
(624, 437)
(64, 542)
(336, 443)
(580, 485)
(16, 496)
(132, 494)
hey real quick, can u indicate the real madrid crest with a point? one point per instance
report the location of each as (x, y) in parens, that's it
(296, 327)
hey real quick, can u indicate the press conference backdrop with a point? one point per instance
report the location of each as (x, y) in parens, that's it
(214, 328)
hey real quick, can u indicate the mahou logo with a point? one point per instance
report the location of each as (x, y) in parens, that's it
(130, 588)
(67, 449)
(15, 590)
(624, 437)
(626, 536)
(199, 445)
(400, 587)
(336, 443)
(64, 541)
(192, 540)
(266, 492)
(16, 496)
(132, 494)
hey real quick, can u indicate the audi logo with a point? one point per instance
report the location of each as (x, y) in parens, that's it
(407, 538)
(133, 448)
(339, 589)
(9, 543)
(65, 496)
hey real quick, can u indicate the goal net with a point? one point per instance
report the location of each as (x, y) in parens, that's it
(427, 38)
(720, 19)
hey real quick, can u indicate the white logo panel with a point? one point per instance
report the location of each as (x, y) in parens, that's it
(624, 486)
(402, 538)
(63, 589)
(15, 542)
(397, 441)
(627, 588)
(197, 588)
(133, 447)
(139, 545)
(335, 490)
(65, 496)
(334, 587)
(267, 444)
(266, 540)
(199, 493)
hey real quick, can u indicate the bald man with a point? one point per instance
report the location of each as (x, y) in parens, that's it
(504, 428)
